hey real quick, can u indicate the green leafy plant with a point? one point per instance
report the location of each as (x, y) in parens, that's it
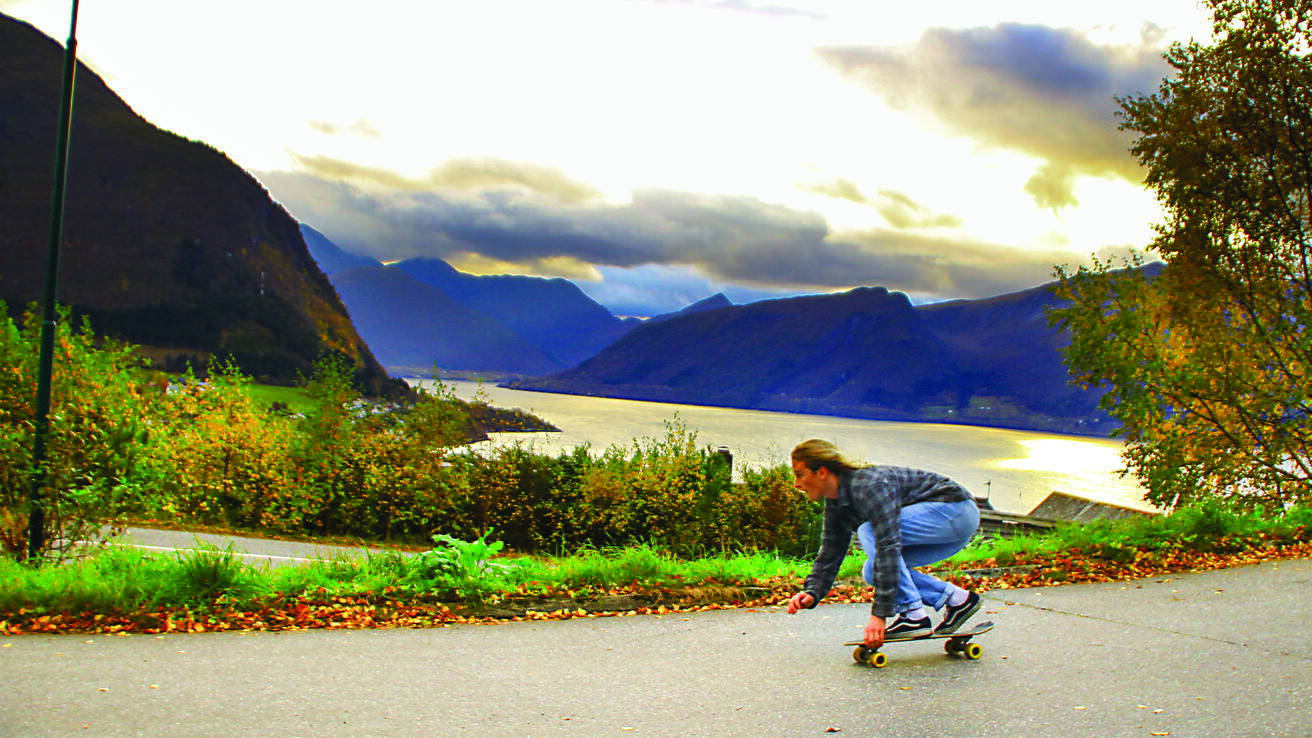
(465, 566)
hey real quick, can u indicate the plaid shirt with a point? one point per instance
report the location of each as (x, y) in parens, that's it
(875, 494)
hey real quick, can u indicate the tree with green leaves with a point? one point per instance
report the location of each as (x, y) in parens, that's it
(1206, 364)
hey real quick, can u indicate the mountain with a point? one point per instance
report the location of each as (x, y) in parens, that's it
(866, 353)
(167, 243)
(413, 327)
(552, 314)
(1007, 349)
(716, 301)
(501, 324)
(330, 257)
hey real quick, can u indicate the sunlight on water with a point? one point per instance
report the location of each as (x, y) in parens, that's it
(1016, 470)
(1076, 457)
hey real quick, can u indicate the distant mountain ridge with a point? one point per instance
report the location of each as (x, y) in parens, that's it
(551, 314)
(415, 328)
(167, 243)
(766, 354)
(420, 314)
(866, 353)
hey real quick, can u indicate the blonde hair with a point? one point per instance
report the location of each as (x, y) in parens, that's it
(816, 453)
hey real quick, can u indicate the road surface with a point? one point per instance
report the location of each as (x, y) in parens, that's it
(1224, 653)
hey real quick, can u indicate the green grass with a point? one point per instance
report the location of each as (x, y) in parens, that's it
(124, 580)
(1200, 527)
(121, 579)
(267, 394)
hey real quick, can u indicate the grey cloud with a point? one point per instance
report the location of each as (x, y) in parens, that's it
(903, 212)
(464, 174)
(899, 210)
(1044, 91)
(936, 267)
(482, 173)
(1053, 186)
(336, 169)
(731, 240)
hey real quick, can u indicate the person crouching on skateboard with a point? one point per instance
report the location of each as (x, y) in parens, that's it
(904, 518)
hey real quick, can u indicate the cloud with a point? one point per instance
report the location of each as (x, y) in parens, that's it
(1047, 92)
(897, 208)
(488, 173)
(359, 128)
(655, 289)
(463, 174)
(903, 212)
(1053, 186)
(933, 268)
(843, 189)
(726, 240)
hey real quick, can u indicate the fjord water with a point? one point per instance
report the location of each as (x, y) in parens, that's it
(1015, 469)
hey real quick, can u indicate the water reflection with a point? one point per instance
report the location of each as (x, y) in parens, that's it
(1015, 469)
(1061, 455)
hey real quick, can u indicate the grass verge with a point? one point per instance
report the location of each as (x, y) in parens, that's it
(123, 590)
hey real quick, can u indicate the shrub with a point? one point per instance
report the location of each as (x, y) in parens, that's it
(96, 426)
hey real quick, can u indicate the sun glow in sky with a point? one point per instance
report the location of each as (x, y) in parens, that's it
(658, 151)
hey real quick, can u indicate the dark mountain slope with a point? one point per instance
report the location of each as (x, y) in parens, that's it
(1010, 351)
(168, 244)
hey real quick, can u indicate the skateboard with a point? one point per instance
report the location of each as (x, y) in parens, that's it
(958, 644)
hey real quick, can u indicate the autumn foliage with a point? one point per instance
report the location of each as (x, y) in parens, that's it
(129, 445)
(1207, 365)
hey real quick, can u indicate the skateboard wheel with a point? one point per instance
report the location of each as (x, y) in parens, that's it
(878, 659)
(973, 651)
(860, 654)
(952, 648)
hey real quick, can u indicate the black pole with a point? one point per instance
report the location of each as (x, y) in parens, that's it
(36, 524)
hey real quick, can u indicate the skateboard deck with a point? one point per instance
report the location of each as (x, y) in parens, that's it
(958, 644)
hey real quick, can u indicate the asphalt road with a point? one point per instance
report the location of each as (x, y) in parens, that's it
(1223, 653)
(253, 550)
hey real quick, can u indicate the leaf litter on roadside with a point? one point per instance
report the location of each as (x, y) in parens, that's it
(390, 611)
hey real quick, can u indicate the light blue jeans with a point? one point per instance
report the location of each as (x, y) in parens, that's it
(931, 532)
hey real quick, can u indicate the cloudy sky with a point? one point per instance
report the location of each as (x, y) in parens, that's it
(659, 151)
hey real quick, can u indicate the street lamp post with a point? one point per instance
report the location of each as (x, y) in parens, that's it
(45, 368)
